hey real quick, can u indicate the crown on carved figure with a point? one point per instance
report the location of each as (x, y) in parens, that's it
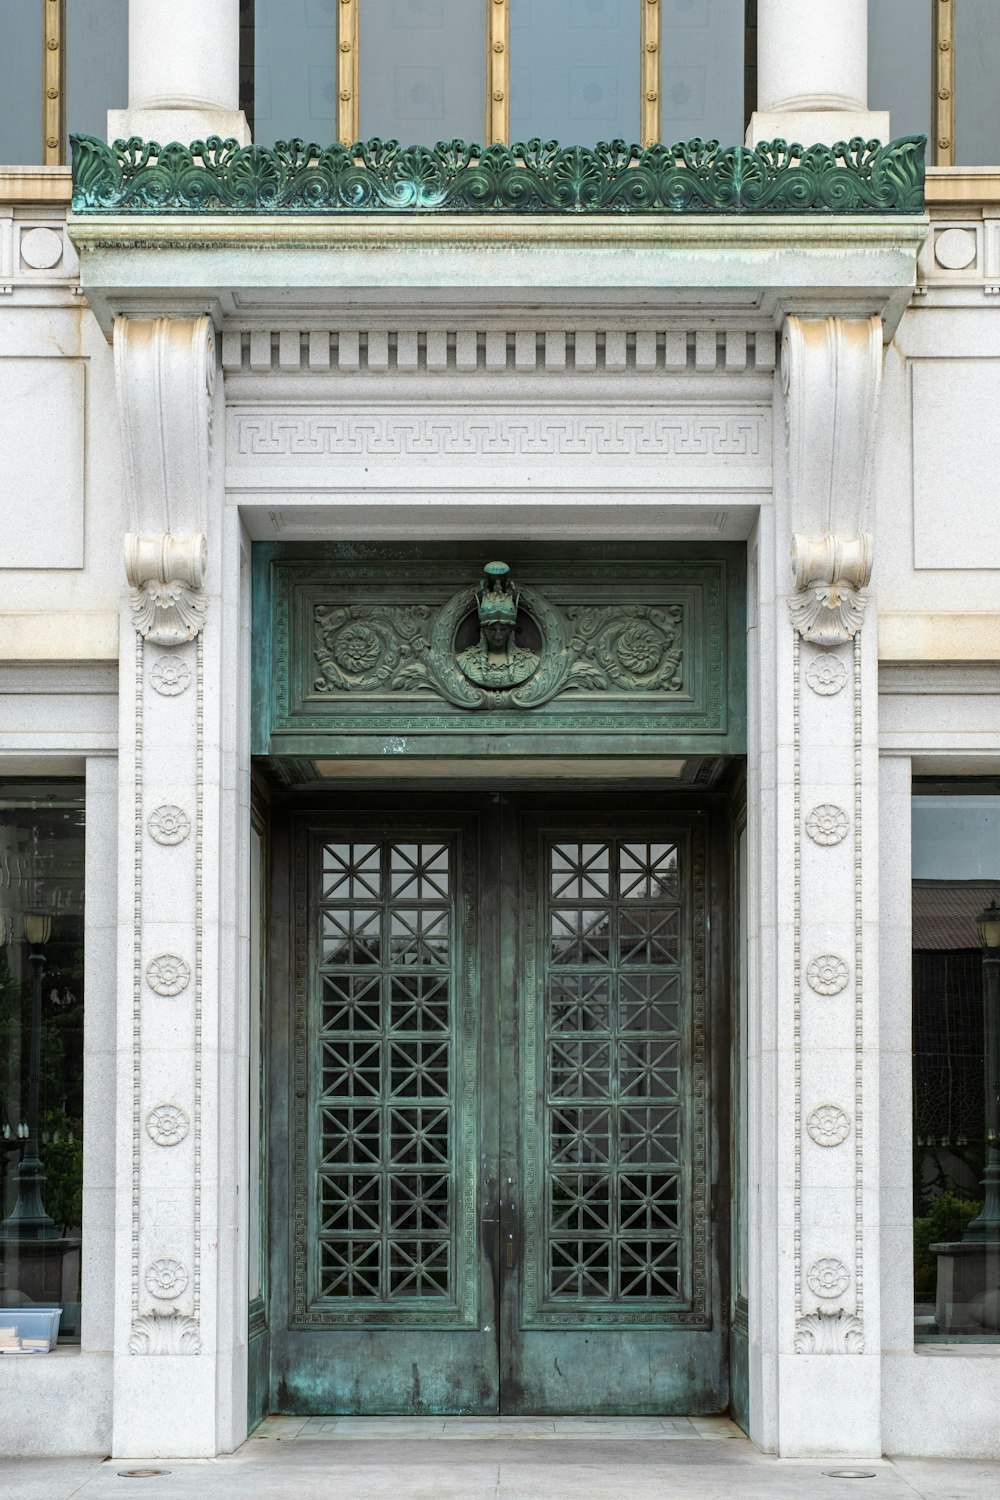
(497, 600)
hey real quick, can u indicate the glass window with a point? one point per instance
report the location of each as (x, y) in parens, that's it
(41, 1048)
(574, 70)
(899, 63)
(96, 63)
(956, 1062)
(20, 83)
(977, 66)
(295, 70)
(701, 80)
(422, 70)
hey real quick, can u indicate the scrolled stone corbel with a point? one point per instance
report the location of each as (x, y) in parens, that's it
(166, 575)
(831, 574)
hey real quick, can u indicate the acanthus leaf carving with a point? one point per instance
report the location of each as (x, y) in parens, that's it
(829, 602)
(829, 1331)
(165, 1333)
(166, 576)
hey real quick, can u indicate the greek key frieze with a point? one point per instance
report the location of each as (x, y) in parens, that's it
(503, 434)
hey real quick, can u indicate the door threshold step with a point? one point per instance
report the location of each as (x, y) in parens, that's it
(423, 1429)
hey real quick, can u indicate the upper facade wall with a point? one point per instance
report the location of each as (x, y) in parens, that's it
(60, 465)
(937, 551)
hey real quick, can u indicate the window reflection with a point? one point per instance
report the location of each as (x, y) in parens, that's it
(574, 70)
(956, 1027)
(41, 1047)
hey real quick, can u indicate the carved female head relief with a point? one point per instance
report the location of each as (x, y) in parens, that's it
(497, 661)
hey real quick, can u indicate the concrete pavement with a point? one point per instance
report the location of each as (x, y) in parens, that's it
(514, 1459)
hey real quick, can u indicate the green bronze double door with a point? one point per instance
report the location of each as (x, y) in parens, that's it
(497, 1142)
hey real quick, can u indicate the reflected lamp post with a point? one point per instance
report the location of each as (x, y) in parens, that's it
(29, 1221)
(987, 1226)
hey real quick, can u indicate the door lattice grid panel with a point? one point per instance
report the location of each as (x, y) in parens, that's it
(385, 1080)
(618, 1174)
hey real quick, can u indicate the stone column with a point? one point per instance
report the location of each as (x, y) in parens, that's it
(812, 73)
(179, 1387)
(820, 1230)
(183, 72)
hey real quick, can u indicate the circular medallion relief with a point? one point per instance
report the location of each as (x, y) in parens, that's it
(828, 1277)
(166, 1278)
(828, 1125)
(827, 824)
(827, 974)
(170, 675)
(41, 248)
(169, 824)
(955, 249)
(167, 1124)
(167, 974)
(826, 675)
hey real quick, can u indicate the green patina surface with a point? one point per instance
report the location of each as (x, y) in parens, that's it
(503, 1115)
(372, 650)
(218, 176)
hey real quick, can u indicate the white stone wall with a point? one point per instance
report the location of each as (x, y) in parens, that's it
(599, 424)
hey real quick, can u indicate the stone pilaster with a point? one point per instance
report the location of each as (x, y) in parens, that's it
(812, 73)
(170, 1229)
(183, 72)
(827, 1354)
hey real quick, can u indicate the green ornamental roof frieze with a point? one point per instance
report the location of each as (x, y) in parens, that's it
(218, 176)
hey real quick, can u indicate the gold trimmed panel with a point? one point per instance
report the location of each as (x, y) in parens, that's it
(498, 72)
(650, 73)
(347, 72)
(54, 83)
(943, 84)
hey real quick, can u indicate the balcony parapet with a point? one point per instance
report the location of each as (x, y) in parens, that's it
(377, 177)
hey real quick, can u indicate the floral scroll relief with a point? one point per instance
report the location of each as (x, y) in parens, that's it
(827, 824)
(167, 1124)
(827, 974)
(168, 974)
(169, 824)
(166, 1278)
(828, 1125)
(828, 1277)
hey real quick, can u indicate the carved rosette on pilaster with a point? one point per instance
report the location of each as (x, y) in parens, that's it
(166, 378)
(831, 373)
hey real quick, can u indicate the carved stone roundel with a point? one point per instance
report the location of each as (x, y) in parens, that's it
(828, 1277)
(826, 675)
(167, 1125)
(828, 1125)
(827, 824)
(169, 824)
(827, 974)
(168, 974)
(166, 1278)
(170, 675)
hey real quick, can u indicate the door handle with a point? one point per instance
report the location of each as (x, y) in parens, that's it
(511, 1223)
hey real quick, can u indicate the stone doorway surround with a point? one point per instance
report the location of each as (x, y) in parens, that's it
(647, 391)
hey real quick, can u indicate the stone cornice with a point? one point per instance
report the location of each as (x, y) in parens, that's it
(727, 268)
